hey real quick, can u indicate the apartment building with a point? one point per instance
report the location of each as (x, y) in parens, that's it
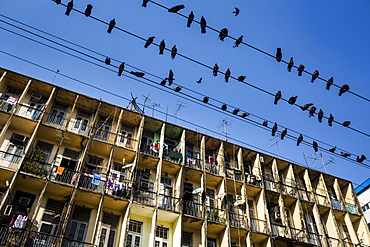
(363, 195)
(76, 171)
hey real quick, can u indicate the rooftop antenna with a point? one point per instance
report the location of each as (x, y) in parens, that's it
(146, 98)
(276, 139)
(133, 105)
(155, 105)
(313, 157)
(324, 164)
(224, 123)
(56, 72)
(179, 106)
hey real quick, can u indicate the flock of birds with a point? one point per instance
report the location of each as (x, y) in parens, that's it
(222, 35)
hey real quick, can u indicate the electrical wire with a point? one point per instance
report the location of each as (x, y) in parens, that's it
(251, 121)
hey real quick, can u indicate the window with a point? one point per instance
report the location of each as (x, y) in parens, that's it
(57, 114)
(117, 172)
(210, 198)
(108, 230)
(13, 153)
(134, 236)
(135, 226)
(211, 242)
(81, 122)
(187, 239)
(161, 236)
(52, 216)
(46, 148)
(79, 223)
(94, 164)
(165, 193)
(126, 135)
(103, 128)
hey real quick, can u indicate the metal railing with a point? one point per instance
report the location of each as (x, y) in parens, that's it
(6, 106)
(278, 230)
(95, 182)
(193, 162)
(216, 215)
(148, 149)
(29, 112)
(64, 175)
(288, 190)
(103, 135)
(168, 203)
(212, 168)
(145, 197)
(252, 179)
(304, 195)
(118, 187)
(55, 119)
(258, 225)
(234, 174)
(351, 208)
(333, 242)
(192, 208)
(74, 243)
(299, 235)
(125, 141)
(314, 238)
(35, 167)
(237, 220)
(10, 160)
(336, 204)
(173, 156)
(77, 126)
(322, 200)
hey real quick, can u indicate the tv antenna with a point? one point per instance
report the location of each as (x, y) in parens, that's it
(179, 106)
(155, 105)
(224, 123)
(146, 98)
(56, 73)
(276, 138)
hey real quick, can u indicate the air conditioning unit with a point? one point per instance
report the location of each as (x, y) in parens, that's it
(19, 139)
(36, 97)
(24, 200)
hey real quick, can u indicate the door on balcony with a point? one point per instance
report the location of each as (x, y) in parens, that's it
(165, 193)
(57, 114)
(52, 216)
(190, 205)
(78, 224)
(211, 242)
(33, 110)
(13, 153)
(253, 216)
(47, 148)
(103, 129)
(126, 134)
(108, 230)
(81, 123)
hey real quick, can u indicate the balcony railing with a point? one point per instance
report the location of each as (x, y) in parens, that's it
(278, 230)
(336, 204)
(288, 190)
(103, 135)
(35, 167)
(10, 160)
(7, 106)
(64, 175)
(258, 225)
(77, 126)
(351, 208)
(333, 242)
(216, 215)
(299, 235)
(148, 149)
(126, 142)
(74, 243)
(212, 168)
(145, 197)
(314, 238)
(29, 112)
(95, 182)
(304, 195)
(55, 119)
(168, 203)
(269, 183)
(118, 187)
(193, 162)
(192, 208)
(252, 179)
(173, 156)
(234, 174)
(322, 200)
(237, 220)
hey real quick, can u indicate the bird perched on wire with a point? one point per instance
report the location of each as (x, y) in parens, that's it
(177, 89)
(343, 89)
(244, 114)
(277, 97)
(137, 73)
(238, 41)
(203, 25)
(292, 100)
(311, 111)
(57, 1)
(300, 69)
(361, 159)
(279, 55)
(330, 120)
(69, 7)
(283, 133)
(315, 146)
(145, 2)
(223, 34)
(149, 41)
(163, 83)
(274, 129)
(332, 149)
(176, 8)
(299, 139)
(224, 107)
(320, 115)
(162, 46)
(306, 106)
(215, 69)
(107, 61)
(111, 25)
(265, 123)
(236, 12)
(329, 82)
(200, 80)
(345, 155)
(290, 64)
(170, 78)
(121, 68)
(205, 99)
(241, 78)
(173, 52)
(227, 75)
(315, 75)
(88, 10)
(235, 111)
(346, 123)
(190, 19)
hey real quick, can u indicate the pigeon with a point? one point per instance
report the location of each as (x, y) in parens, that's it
(277, 97)
(173, 52)
(299, 139)
(311, 111)
(343, 89)
(107, 61)
(205, 99)
(315, 75)
(241, 78)
(223, 34)
(290, 64)
(227, 75)
(346, 123)
(203, 25)
(330, 120)
(145, 2)
(274, 129)
(265, 123)
(88, 10)
(332, 149)
(149, 41)
(236, 12)
(315, 146)
(224, 107)
(163, 83)
(306, 106)
(121, 68)
(138, 74)
(235, 111)
(162, 46)
(238, 41)
(283, 133)
(278, 55)
(329, 83)
(215, 69)
(176, 8)
(361, 159)
(112, 23)
(170, 77)
(300, 69)
(177, 89)
(292, 100)
(57, 1)
(345, 155)
(69, 7)
(200, 80)
(190, 19)
(320, 115)
(244, 114)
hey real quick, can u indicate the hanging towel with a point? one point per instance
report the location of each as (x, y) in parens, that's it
(96, 179)
(60, 170)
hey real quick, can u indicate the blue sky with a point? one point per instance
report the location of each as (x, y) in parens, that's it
(330, 36)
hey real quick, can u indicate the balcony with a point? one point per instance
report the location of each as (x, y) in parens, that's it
(259, 226)
(168, 203)
(314, 238)
(192, 208)
(333, 242)
(299, 235)
(234, 174)
(171, 155)
(304, 195)
(103, 135)
(322, 200)
(279, 231)
(351, 208)
(216, 215)
(55, 119)
(10, 160)
(269, 183)
(148, 149)
(252, 180)
(212, 168)
(29, 112)
(94, 182)
(118, 187)
(193, 162)
(8, 105)
(35, 167)
(336, 204)
(288, 190)
(78, 126)
(237, 220)
(127, 142)
(74, 243)
(145, 197)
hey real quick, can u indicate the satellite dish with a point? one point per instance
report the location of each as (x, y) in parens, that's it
(127, 166)
(197, 191)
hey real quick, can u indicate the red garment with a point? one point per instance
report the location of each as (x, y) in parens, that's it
(211, 160)
(156, 146)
